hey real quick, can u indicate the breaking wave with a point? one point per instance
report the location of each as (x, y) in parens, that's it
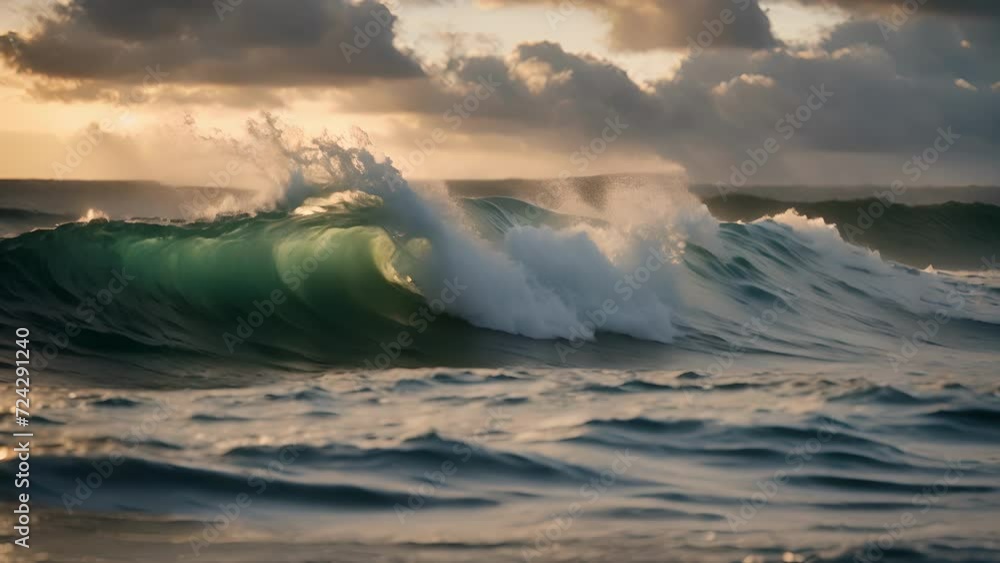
(348, 255)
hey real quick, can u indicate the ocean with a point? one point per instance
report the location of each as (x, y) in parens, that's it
(603, 369)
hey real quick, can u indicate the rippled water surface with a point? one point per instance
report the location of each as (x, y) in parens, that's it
(550, 464)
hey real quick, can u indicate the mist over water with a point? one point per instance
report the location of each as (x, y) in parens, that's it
(550, 371)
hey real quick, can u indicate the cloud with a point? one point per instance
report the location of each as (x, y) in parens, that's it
(965, 85)
(930, 46)
(641, 25)
(892, 90)
(247, 44)
(890, 99)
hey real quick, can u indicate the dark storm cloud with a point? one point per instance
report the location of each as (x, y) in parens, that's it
(931, 46)
(985, 8)
(248, 43)
(638, 25)
(725, 98)
(889, 99)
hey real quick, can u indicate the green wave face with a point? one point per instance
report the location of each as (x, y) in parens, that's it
(186, 286)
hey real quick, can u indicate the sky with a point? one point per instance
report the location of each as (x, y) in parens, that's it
(825, 92)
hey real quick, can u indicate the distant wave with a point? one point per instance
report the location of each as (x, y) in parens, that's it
(7, 213)
(947, 235)
(14, 221)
